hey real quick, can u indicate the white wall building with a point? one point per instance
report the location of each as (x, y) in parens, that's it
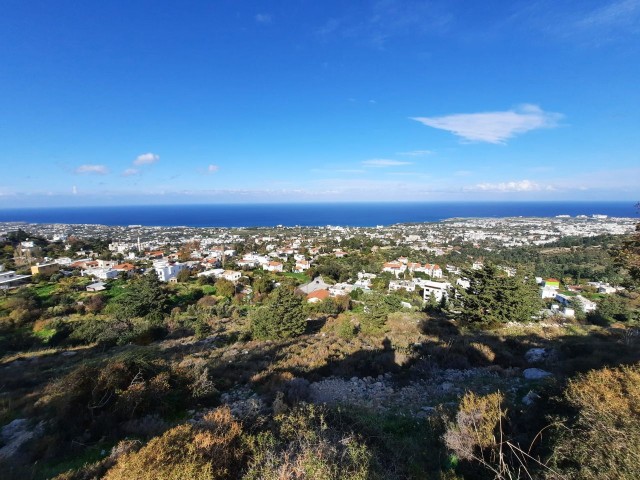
(168, 271)
(439, 289)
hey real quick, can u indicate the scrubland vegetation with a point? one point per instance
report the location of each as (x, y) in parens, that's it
(193, 381)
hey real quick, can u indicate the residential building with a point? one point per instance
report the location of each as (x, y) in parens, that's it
(44, 268)
(439, 289)
(168, 271)
(273, 266)
(408, 285)
(317, 296)
(10, 279)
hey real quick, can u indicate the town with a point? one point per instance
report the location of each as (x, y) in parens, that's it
(235, 254)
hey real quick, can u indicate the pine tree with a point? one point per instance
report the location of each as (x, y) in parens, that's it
(282, 316)
(144, 297)
(493, 297)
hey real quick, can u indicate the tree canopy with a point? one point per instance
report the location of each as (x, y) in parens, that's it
(282, 316)
(493, 297)
(143, 297)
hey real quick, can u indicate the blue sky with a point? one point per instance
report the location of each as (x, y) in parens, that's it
(154, 102)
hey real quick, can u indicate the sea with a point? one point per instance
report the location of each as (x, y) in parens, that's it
(309, 214)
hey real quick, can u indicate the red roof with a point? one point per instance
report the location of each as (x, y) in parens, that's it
(319, 294)
(124, 266)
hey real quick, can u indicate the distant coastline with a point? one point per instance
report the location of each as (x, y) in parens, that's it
(309, 214)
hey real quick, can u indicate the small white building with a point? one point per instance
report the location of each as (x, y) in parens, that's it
(101, 273)
(302, 266)
(438, 289)
(9, 278)
(586, 304)
(216, 272)
(168, 271)
(231, 275)
(408, 285)
(340, 289)
(273, 267)
(548, 292)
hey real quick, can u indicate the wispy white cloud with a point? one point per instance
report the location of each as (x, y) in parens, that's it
(74, 190)
(513, 186)
(146, 159)
(385, 20)
(212, 168)
(383, 162)
(494, 127)
(612, 15)
(264, 18)
(610, 21)
(130, 171)
(97, 169)
(415, 153)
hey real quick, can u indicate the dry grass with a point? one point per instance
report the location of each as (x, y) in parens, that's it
(604, 441)
(210, 450)
(474, 429)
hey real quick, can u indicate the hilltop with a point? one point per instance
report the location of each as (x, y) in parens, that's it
(474, 348)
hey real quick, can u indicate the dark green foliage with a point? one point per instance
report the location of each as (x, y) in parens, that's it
(184, 275)
(201, 328)
(343, 269)
(143, 296)
(494, 298)
(612, 308)
(262, 285)
(628, 256)
(282, 316)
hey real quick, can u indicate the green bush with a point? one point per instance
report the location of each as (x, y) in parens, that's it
(346, 329)
(282, 316)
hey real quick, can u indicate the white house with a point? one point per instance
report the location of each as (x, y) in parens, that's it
(101, 273)
(433, 270)
(587, 305)
(340, 289)
(563, 300)
(9, 278)
(273, 267)
(439, 289)
(407, 285)
(168, 271)
(302, 265)
(216, 272)
(231, 275)
(548, 292)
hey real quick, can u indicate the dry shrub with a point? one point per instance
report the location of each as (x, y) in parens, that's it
(307, 448)
(97, 398)
(475, 425)
(604, 441)
(484, 351)
(211, 449)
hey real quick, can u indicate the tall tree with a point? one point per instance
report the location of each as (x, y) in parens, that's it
(628, 255)
(493, 297)
(282, 316)
(144, 296)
